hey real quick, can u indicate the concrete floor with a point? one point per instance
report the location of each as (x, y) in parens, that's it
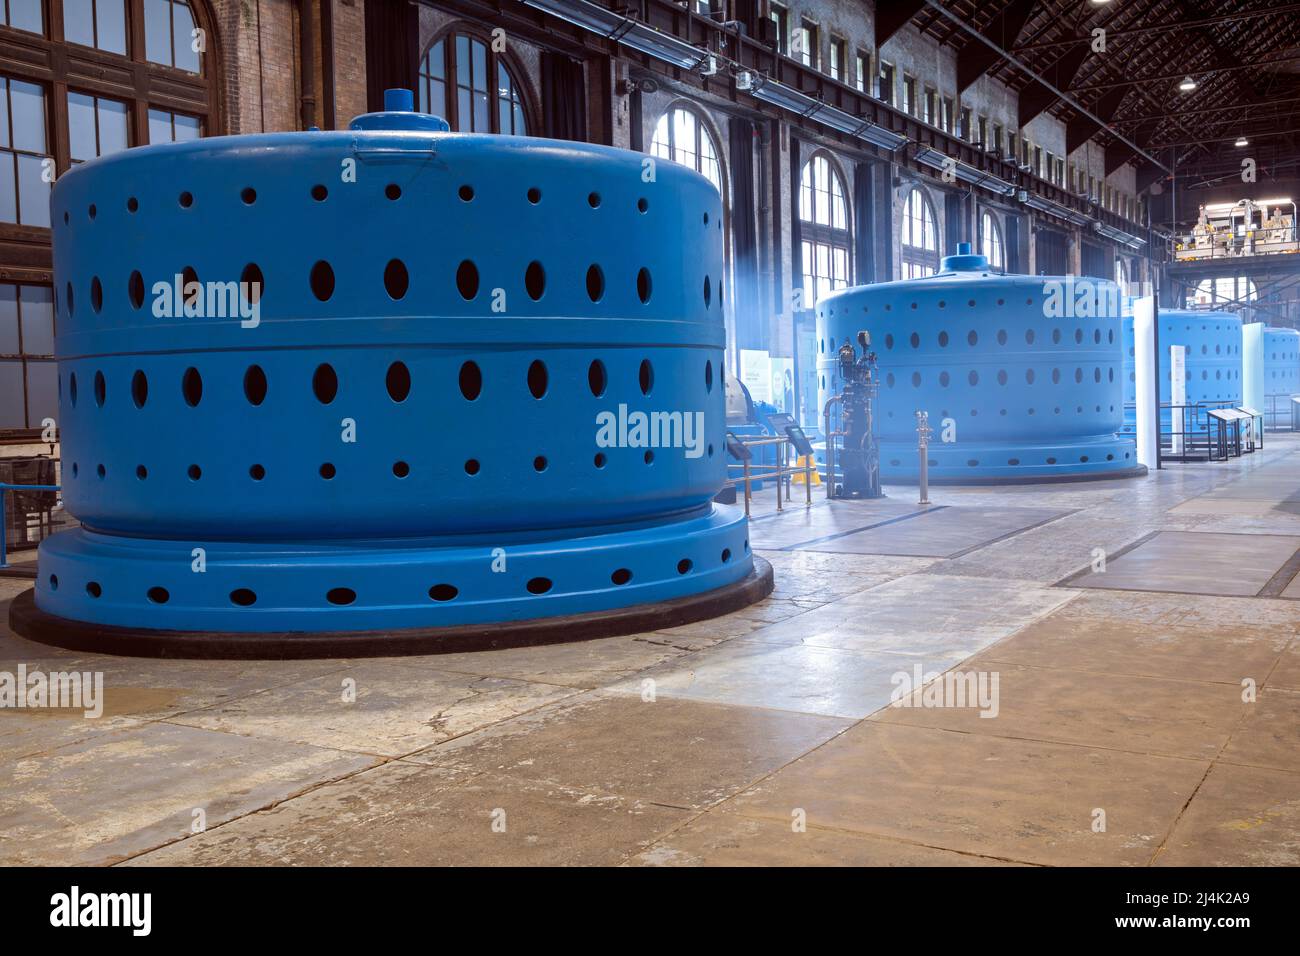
(1126, 731)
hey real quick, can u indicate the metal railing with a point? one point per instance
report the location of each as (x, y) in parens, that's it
(5, 488)
(1237, 246)
(781, 471)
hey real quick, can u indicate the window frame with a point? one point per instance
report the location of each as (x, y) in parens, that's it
(917, 261)
(451, 112)
(886, 81)
(816, 236)
(992, 237)
(61, 66)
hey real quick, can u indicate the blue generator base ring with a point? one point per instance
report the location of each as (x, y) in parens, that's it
(26, 619)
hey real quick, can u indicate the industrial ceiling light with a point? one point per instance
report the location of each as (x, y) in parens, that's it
(1242, 141)
(1187, 85)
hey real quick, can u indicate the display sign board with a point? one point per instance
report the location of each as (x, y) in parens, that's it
(737, 449)
(756, 373)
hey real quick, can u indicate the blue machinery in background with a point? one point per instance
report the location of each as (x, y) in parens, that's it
(1212, 343)
(1281, 376)
(468, 380)
(1020, 375)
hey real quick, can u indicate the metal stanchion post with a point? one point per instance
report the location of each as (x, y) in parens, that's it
(745, 466)
(922, 448)
(807, 478)
(780, 473)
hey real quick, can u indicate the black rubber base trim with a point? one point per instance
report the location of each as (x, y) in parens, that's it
(28, 621)
(1137, 471)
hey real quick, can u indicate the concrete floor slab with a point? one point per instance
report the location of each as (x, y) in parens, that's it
(1141, 715)
(115, 795)
(580, 665)
(802, 678)
(28, 733)
(395, 708)
(406, 815)
(1268, 736)
(1138, 649)
(1197, 563)
(671, 752)
(1240, 816)
(1185, 610)
(937, 616)
(940, 532)
(1287, 673)
(798, 523)
(1016, 800)
(711, 771)
(723, 837)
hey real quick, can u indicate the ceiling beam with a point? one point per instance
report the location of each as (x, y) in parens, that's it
(1037, 97)
(975, 59)
(1165, 28)
(1081, 129)
(1235, 107)
(893, 16)
(1249, 65)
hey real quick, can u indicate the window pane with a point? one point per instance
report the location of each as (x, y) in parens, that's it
(81, 126)
(110, 18)
(33, 191)
(11, 395)
(160, 126)
(27, 101)
(186, 128)
(158, 31)
(8, 319)
(26, 15)
(479, 52)
(38, 320)
(79, 21)
(187, 58)
(8, 188)
(42, 392)
(462, 61)
(463, 111)
(112, 127)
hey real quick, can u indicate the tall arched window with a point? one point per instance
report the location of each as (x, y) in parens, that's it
(823, 228)
(1121, 276)
(80, 79)
(462, 80)
(991, 241)
(920, 245)
(682, 137)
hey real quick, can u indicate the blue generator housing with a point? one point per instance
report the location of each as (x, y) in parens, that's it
(387, 377)
(1021, 375)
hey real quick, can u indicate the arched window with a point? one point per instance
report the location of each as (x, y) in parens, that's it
(991, 241)
(1226, 290)
(682, 137)
(920, 243)
(1121, 276)
(80, 79)
(824, 229)
(462, 80)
